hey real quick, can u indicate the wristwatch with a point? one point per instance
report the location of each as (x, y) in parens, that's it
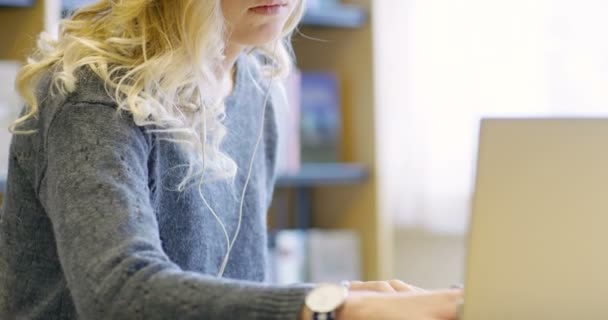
(325, 299)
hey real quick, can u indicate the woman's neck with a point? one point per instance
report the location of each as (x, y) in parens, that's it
(228, 78)
(231, 53)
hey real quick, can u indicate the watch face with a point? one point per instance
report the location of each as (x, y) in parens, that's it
(326, 298)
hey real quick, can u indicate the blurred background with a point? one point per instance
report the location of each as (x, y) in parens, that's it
(379, 139)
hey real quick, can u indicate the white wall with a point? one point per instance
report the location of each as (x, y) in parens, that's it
(442, 64)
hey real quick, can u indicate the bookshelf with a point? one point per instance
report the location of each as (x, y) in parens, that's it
(347, 48)
(319, 174)
(311, 176)
(18, 29)
(339, 17)
(16, 3)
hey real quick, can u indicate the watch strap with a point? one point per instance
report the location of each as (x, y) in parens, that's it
(323, 316)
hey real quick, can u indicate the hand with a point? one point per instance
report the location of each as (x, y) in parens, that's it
(437, 305)
(383, 286)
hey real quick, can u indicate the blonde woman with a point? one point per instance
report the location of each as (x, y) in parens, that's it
(143, 165)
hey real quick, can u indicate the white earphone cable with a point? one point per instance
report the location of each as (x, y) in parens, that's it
(201, 180)
(250, 169)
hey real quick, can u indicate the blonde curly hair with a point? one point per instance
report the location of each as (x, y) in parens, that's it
(159, 60)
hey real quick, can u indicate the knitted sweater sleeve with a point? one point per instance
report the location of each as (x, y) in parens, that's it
(95, 192)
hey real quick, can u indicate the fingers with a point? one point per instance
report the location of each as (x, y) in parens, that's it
(400, 286)
(373, 300)
(377, 286)
(449, 303)
(394, 285)
(454, 295)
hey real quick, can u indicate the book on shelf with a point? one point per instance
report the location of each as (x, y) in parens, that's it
(320, 122)
(314, 255)
(287, 257)
(287, 110)
(308, 120)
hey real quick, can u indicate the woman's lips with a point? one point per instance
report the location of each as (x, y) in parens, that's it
(268, 10)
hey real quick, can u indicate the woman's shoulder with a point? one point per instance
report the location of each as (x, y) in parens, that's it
(89, 94)
(86, 116)
(87, 87)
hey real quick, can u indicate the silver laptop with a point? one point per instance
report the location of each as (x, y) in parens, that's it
(538, 244)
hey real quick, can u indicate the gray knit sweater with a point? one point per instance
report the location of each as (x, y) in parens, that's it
(92, 227)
